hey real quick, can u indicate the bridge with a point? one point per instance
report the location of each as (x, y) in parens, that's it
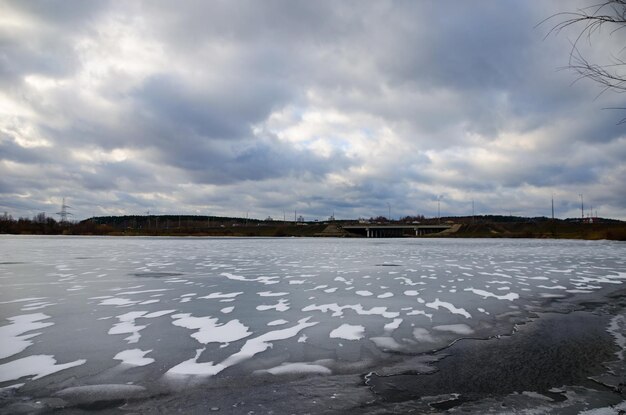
(397, 231)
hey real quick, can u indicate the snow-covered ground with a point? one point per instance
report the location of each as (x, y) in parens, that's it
(78, 311)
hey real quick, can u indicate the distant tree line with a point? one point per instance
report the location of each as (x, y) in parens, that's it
(40, 224)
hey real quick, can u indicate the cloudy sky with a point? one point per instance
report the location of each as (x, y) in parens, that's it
(265, 107)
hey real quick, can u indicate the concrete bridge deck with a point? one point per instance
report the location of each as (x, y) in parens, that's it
(395, 231)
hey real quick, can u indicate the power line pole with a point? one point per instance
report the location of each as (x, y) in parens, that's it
(64, 213)
(439, 209)
(552, 206)
(473, 215)
(582, 207)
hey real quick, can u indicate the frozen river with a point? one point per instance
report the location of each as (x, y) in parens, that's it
(86, 319)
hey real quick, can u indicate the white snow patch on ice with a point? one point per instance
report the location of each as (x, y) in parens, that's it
(297, 368)
(144, 291)
(134, 357)
(385, 295)
(36, 365)
(221, 295)
(272, 294)
(127, 323)
(277, 322)
(419, 313)
(22, 300)
(12, 339)
(227, 310)
(358, 308)
(263, 280)
(263, 342)
(463, 329)
(282, 305)
(487, 294)
(209, 331)
(448, 306)
(191, 367)
(409, 281)
(249, 350)
(364, 293)
(348, 332)
(423, 335)
(386, 343)
(36, 306)
(617, 328)
(118, 301)
(393, 325)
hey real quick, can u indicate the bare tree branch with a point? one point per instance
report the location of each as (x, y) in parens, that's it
(612, 13)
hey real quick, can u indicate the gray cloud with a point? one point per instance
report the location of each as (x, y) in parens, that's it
(228, 107)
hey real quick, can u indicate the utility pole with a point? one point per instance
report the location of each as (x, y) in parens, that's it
(553, 206)
(439, 209)
(64, 213)
(473, 215)
(389, 207)
(582, 207)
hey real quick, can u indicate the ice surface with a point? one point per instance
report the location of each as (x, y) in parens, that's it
(297, 368)
(437, 285)
(348, 332)
(386, 343)
(12, 337)
(263, 342)
(22, 300)
(80, 395)
(191, 367)
(249, 349)
(127, 324)
(423, 335)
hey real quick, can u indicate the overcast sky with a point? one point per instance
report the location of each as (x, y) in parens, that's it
(228, 107)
